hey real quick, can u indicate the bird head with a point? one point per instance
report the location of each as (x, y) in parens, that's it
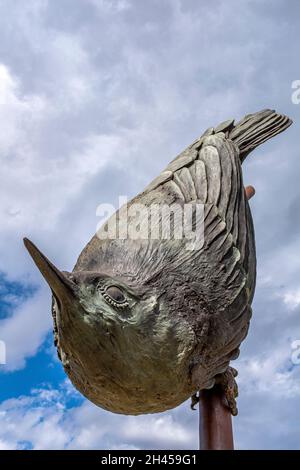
(116, 341)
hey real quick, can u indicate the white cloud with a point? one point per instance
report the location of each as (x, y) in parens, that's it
(17, 111)
(111, 6)
(42, 421)
(33, 420)
(292, 298)
(25, 330)
(173, 432)
(271, 373)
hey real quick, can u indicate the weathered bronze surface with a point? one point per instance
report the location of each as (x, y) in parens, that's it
(142, 325)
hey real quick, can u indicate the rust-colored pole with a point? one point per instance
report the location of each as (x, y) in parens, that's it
(215, 421)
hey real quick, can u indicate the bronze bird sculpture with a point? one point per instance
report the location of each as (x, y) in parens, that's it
(142, 324)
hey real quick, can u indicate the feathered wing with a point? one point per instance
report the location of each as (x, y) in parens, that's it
(209, 172)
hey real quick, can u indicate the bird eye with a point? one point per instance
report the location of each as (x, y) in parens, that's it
(115, 296)
(115, 293)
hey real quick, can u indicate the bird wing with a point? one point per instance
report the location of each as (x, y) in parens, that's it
(223, 272)
(209, 172)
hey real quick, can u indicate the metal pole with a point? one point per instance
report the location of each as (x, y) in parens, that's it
(215, 421)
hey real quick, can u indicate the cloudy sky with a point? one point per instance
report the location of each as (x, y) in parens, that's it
(96, 97)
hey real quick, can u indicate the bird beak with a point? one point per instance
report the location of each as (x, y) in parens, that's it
(61, 286)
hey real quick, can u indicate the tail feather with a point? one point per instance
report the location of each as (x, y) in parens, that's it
(254, 129)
